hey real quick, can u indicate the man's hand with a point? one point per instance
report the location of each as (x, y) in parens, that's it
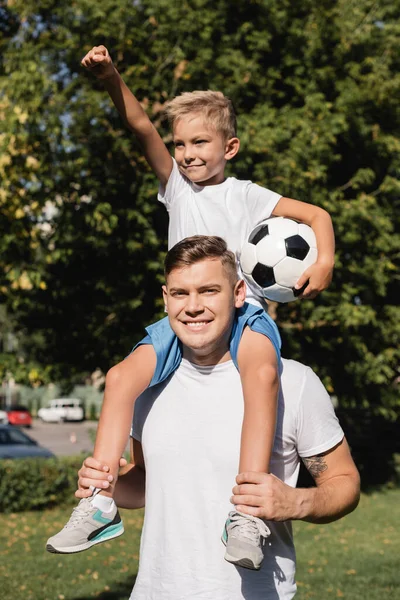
(94, 473)
(319, 276)
(265, 496)
(99, 62)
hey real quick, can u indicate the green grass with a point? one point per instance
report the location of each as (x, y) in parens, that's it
(355, 558)
(28, 572)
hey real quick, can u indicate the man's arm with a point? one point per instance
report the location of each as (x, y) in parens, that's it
(99, 62)
(319, 274)
(130, 487)
(336, 494)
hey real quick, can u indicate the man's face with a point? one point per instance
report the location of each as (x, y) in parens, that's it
(200, 152)
(201, 302)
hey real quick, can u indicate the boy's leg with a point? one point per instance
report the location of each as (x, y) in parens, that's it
(258, 368)
(124, 383)
(96, 519)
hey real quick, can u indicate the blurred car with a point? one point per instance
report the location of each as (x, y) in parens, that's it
(62, 409)
(3, 417)
(19, 415)
(14, 443)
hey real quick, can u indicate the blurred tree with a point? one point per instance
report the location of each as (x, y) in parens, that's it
(316, 88)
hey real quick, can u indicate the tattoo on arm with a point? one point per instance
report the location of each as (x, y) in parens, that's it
(315, 465)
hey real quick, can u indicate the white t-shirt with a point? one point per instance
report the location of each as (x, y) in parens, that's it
(230, 209)
(190, 429)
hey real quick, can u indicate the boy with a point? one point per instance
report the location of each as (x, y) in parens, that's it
(200, 200)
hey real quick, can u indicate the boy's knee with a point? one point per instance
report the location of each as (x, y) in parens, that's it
(114, 376)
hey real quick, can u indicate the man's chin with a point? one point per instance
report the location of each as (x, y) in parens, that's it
(196, 342)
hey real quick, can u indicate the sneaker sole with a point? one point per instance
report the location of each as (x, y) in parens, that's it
(109, 534)
(246, 563)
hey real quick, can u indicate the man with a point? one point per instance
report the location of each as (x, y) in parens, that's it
(186, 440)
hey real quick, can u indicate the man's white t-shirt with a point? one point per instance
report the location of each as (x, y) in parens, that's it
(230, 210)
(190, 428)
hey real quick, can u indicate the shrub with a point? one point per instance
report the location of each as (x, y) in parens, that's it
(37, 483)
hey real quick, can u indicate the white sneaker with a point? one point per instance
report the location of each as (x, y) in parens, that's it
(244, 536)
(87, 526)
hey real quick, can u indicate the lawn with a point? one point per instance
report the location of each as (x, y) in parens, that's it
(356, 558)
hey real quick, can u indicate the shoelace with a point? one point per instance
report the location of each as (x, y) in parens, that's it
(79, 513)
(247, 526)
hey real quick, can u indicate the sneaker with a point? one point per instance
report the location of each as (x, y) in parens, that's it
(244, 537)
(87, 526)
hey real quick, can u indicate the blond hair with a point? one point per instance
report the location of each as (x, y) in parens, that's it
(194, 249)
(216, 109)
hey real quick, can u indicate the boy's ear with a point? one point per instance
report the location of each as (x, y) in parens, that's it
(232, 148)
(240, 293)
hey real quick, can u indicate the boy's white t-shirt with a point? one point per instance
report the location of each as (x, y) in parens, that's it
(190, 429)
(230, 209)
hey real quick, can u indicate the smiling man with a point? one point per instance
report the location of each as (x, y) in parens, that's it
(186, 443)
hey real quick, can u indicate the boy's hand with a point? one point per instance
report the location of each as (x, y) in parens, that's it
(94, 473)
(319, 276)
(99, 62)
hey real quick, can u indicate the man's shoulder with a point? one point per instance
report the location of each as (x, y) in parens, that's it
(302, 388)
(294, 369)
(293, 378)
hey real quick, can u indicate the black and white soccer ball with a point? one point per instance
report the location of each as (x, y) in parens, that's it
(275, 255)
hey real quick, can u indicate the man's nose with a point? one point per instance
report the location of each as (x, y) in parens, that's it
(194, 305)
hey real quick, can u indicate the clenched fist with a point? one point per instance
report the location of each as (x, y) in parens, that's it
(98, 61)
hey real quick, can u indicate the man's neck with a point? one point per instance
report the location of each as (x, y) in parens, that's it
(207, 359)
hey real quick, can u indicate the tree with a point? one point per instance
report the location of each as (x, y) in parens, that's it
(315, 85)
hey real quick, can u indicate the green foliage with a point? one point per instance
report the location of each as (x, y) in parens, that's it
(316, 88)
(37, 483)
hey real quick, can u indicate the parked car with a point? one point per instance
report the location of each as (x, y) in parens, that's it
(19, 415)
(3, 417)
(14, 443)
(62, 409)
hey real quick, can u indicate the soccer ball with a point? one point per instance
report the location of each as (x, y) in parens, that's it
(274, 256)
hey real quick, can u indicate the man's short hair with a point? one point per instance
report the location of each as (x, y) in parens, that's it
(215, 108)
(201, 247)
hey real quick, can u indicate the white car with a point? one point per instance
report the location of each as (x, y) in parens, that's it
(3, 417)
(62, 409)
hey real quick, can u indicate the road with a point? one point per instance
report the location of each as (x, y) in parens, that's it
(64, 439)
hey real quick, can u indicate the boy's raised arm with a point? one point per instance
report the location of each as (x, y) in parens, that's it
(99, 62)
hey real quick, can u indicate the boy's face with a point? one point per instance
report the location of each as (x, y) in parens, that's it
(201, 300)
(200, 152)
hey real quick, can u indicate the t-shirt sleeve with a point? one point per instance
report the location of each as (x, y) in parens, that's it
(143, 405)
(318, 428)
(137, 422)
(136, 429)
(260, 202)
(176, 184)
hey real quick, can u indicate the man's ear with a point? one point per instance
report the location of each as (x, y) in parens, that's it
(231, 148)
(165, 297)
(240, 293)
